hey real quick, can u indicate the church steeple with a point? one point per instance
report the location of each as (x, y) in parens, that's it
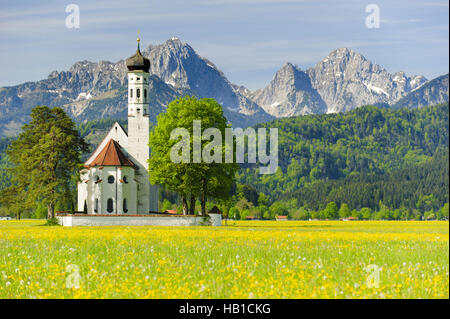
(138, 62)
(139, 126)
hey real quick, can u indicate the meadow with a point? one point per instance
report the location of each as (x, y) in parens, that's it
(246, 259)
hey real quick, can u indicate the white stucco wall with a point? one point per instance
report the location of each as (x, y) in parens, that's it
(154, 220)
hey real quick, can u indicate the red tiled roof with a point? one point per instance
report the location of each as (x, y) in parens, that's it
(171, 211)
(112, 155)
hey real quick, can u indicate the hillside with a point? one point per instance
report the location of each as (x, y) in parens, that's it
(325, 154)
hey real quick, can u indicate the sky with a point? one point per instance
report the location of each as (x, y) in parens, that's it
(249, 40)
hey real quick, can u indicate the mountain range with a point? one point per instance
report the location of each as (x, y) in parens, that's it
(340, 82)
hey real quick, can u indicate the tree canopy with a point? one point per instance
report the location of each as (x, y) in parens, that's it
(45, 157)
(195, 179)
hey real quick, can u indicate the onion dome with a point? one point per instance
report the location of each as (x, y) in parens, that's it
(138, 62)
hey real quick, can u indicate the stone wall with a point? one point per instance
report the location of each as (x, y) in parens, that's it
(137, 220)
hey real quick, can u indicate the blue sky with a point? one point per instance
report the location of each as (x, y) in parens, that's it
(248, 40)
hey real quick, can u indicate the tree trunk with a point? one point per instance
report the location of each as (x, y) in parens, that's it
(203, 197)
(185, 206)
(192, 208)
(51, 211)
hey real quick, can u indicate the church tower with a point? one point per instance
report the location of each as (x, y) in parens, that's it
(138, 129)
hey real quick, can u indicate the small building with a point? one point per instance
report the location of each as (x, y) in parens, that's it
(170, 211)
(349, 218)
(280, 218)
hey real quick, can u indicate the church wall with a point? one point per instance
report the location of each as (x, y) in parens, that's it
(153, 220)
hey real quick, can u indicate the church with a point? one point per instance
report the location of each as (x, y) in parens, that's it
(115, 178)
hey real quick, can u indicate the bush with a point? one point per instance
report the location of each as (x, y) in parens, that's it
(52, 222)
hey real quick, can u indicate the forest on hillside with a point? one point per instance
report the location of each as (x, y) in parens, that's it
(360, 158)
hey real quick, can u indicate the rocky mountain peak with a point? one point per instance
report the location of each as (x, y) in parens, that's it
(289, 93)
(343, 80)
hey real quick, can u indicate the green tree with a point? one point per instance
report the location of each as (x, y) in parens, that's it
(186, 177)
(331, 211)
(344, 211)
(45, 157)
(366, 213)
(243, 204)
(278, 208)
(234, 213)
(444, 210)
(166, 205)
(263, 199)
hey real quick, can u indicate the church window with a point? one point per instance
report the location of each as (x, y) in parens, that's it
(125, 205)
(110, 179)
(145, 93)
(131, 93)
(125, 179)
(137, 79)
(138, 93)
(96, 205)
(96, 179)
(110, 205)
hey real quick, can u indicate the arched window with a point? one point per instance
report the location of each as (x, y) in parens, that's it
(125, 205)
(96, 205)
(96, 179)
(131, 93)
(111, 179)
(125, 179)
(110, 205)
(145, 93)
(138, 93)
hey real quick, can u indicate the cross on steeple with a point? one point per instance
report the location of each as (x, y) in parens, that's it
(138, 40)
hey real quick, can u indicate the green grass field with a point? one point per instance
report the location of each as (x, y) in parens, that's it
(248, 259)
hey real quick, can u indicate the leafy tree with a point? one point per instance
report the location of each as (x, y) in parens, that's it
(444, 210)
(166, 205)
(366, 213)
(249, 192)
(243, 204)
(45, 156)
(299, 214)
(40, 211)
(344, 211)
(331, 211)
(186, 177)
(263, 199)
(234, 213)
(278, 208)
(315, 215)
(429, 215)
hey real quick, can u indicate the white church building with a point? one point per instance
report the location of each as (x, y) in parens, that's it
(114, 179)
